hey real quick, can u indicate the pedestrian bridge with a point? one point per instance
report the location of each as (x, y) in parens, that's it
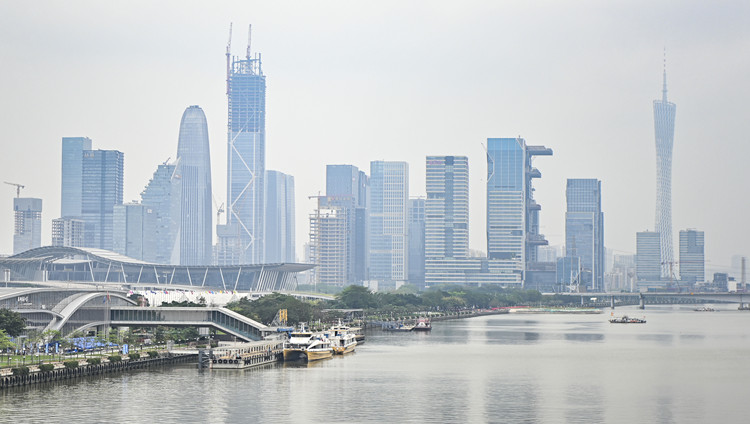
(219, 318)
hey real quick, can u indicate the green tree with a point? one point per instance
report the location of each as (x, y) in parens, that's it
(12, 322)
(357, 297)
(5, 342)
(265, 308)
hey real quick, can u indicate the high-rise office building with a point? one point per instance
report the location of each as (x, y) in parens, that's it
(349, 187)
(692, 258)
(27, 232)
(648, 259)
(68, 232)
(330, 242)
(71, 196)
(160, 198)
(584, 230)
(102, 185)
(664, 118)
(416, 231)
(279, 231)
(241, 238)
(512, 213)
(447, 208)
(389, 204)
(130, 229)
(193, 175)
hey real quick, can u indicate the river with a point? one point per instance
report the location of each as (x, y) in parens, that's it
(681, 366)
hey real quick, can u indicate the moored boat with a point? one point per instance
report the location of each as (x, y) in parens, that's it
(319, 348)
(705, 309)
(295, 348)
(626, 320)
(343, 340)
(397, 326)
(423, 324)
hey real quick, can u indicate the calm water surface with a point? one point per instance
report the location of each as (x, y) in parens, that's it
(680, 367)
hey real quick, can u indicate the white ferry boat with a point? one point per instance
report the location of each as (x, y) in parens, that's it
(343, 340)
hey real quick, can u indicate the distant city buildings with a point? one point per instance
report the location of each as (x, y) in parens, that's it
(193, 177)
(102, 187)
(338, 228)
(648, 260)
(67, 232)
(92, 184)
(130, 226)
(160, 197)
(280, 234)
(417, 242)
(27, 232)
(241, 239)
(71, 193)
(622, 276)
(664, 118)
(389, 195)
(692, 258)
(584, 230)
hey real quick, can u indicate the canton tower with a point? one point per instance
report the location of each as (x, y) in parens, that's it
(664, 114)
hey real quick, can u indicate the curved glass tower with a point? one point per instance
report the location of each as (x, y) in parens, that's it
(664, 114)
(193, 180)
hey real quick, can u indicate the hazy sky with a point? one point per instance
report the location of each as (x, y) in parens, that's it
(350, 82)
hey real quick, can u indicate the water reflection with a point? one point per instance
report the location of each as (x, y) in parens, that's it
(583, 337)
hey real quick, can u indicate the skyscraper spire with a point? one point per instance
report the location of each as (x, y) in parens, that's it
(664, 87)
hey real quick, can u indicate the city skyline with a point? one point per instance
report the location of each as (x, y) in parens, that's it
(612, 143)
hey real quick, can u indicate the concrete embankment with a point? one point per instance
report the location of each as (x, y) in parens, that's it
(440, 316)
(88, 369)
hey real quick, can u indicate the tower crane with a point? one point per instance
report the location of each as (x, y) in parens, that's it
(219, 210)
(18, 187)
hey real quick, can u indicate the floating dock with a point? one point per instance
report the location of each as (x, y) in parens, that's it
(246, 355)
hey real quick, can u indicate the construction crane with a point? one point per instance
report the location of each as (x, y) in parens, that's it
(18, 187)
(219, 210)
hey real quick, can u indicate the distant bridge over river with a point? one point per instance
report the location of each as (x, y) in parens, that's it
(652, 298)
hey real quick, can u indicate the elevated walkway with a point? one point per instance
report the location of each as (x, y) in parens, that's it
(221, 319)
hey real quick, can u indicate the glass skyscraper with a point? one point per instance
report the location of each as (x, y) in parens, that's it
(72, 174)
(664, 117)
(584, 230)
(512, 213)
(102, 185)
(447, 208)
(193, 175)
(280, 237)
(648, 260)
(416, 241)
(241, 239)
(161, 199)
(131, 226)
(389, 195)
(692, 257)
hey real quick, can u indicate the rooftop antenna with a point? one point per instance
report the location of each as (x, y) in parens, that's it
(664, 87)
(249, 38)
(229, 52)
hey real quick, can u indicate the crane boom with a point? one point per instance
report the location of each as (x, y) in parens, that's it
(18, 187)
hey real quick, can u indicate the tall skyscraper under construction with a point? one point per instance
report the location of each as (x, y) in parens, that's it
(664, 115)
(241, 239)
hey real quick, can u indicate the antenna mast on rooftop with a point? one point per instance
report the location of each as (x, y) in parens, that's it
(249, 38)
(229, 53)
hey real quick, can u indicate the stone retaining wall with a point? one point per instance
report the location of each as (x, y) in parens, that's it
(85, 370)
